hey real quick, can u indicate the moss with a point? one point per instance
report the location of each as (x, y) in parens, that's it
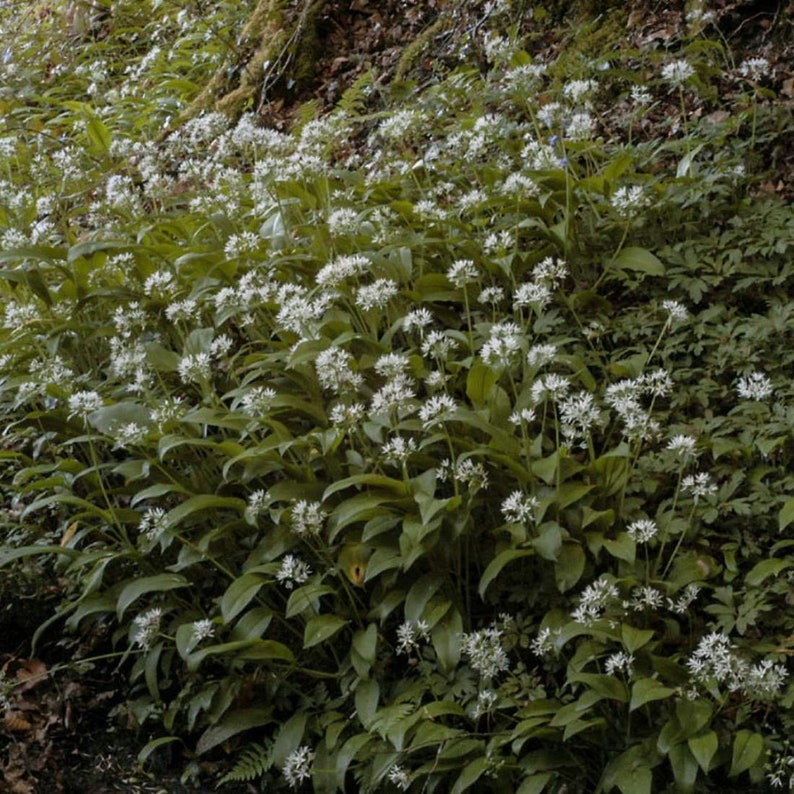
(415, 48)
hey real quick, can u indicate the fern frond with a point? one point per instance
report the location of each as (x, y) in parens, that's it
(252, 762)
(354, 101)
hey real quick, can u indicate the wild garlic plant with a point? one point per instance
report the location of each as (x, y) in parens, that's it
(440, 463)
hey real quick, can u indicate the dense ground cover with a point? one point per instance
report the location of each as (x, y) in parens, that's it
(441, 442)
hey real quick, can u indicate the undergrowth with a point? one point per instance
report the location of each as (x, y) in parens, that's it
(441, 443)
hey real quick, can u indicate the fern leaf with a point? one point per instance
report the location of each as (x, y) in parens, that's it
(252, 762)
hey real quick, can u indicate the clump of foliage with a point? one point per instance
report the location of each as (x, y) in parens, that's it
(456, 458)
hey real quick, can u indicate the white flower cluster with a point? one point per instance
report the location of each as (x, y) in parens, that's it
(307, 518)
(298, 766)
(410, 634)
(146, 627)
(485, 652)
(594, 601)
(754, 386)
(293, 571)
(716, 660)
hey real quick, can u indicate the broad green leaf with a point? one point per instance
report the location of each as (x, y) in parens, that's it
(320, 628)
(239, 594)
(639, 259)
(704, 747)
(446, 636)
(685, 767)
(634, 639)
(366, 699)
(647, 689)
(569, 566)
(748, 748)
(289, 737)
(470, 774)
(231, 724)
(766, 568)
(202, 503)
(479, 382)
(498, 563)
(147, 584)
(786, 515)
(548, 543)
(534, 784)
(151, 746)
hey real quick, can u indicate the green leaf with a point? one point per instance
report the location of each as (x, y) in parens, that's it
(748, 748)
(497, 563)
(786, 515)
(366, 699)
(569, 566)
(470, 774)
(639, 259)
(633, 639)
(289, 737)
(151, 746)
(147, 584)
(766, 568)
(534, 784)
(647, 689)
(704, 747)
(320, 628)
(479, 382)
(685, 767)
(231, 724)
(201, 503)
(239, 594)
(548, 543)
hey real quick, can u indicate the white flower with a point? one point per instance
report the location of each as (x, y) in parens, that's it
(347, 415)
(334, 370)
(202, 630)
(182, 310)
(257, 504)
(640, 95)
(642, 530)
(343, 221)
(437, 409)
(755, 386)
(409, 635)
(531, 294)
(376, 295)
(292, 571)
(677, 312)
(540, 355)
(307, 518)
(334, 273)
(619, 662)
(257, 401)
(195, 367)
(682, 445)
(399, 449)
(627, 201)
(129, 434)
(147, 625)
(418, 318)
(462, 272)
(298, 766)
(397, 394)
(391, 365)
(543, 644)
(594, 600)
(551, 386)
(399, 777)
(677, 72)
(684, 600)
(698, 485)
(646, 597)
(525, 415)
(485, 651)
(578, 90)
(580, 126)
(519, 508)
(578, 414)
(82, 403)
(486, 699)
(754, 68)
(153, 524)
(438, 345)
